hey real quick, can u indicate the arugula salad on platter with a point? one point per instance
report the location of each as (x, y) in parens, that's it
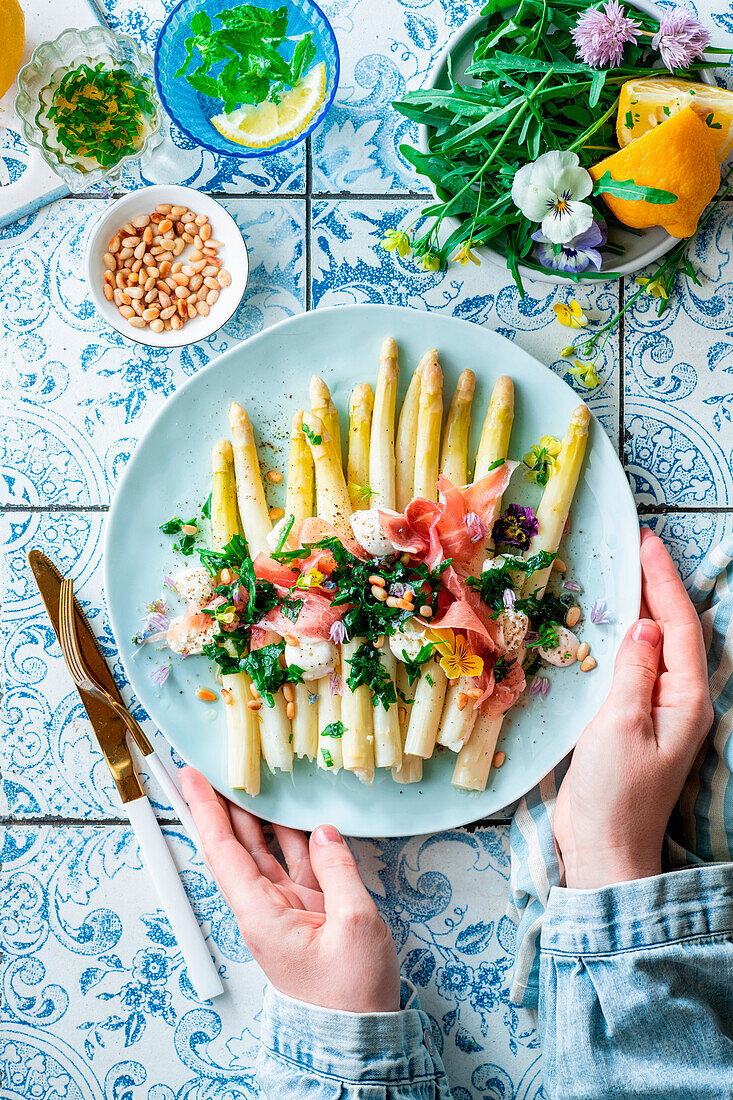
(394, 607)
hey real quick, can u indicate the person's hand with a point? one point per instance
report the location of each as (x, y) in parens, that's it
(314, 929)
(631, 762)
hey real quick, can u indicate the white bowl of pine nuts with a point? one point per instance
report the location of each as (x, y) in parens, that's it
(166, 265)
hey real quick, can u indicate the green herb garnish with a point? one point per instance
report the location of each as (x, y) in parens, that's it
(627, 189)
(334, 729)
(284, 536)
(242, 61)
(291, 608)
(413, 666)
(367, 669)
(268, 675)
(492, 584)
(316, 440)
(328, 759)
(175, 526)
(206, 507)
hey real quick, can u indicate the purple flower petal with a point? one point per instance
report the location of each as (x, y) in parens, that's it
(509, 598)
(168, 582)
(681, 38)
(336, 683)
(476, 529)
(572, 586)
(599, 613)
(312, 698)
(397, 590)
(338, 633)
(516, 527)
(600, 36)
(160, 674)
(544, 686)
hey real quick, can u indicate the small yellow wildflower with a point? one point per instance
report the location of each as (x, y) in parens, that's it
(540, 459)
(655, 287)
(587, 373)
(464, 255)
(430, 262)
(570, 314)
(568, 351)
(396, 240)
(312, 579)
(460, 661)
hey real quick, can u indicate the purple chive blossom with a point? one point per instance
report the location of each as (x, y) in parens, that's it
(516, 527)
(397, 590)
(531, 636)
(599, 613)
(160, 674)
(572, 586)
(336, 683)
(600, 36)
(540, 686)
(475, 528)
(577, 254)
(312, 698)
(155, 622)
(509, 598)
(338, 633)
(168, 582)
(681, 38)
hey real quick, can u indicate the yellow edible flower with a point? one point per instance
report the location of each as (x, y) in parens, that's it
(587, 373)
(396, 240)
(312, 579)
(570, 314)
(430, 262)
(568, 351)
(541, 458)
(460, 661)
(464, 254)
(655, 287)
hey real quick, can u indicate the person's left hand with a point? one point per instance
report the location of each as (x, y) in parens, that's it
(314, 929)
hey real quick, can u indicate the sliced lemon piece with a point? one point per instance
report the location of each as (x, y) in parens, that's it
(645, 103)
(264, 124)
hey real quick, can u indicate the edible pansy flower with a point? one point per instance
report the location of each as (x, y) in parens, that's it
(160, 674)
(599, 613)
(575, 256)
(464, 255)
(601, 34)
(681, 38)
(336, 684)
(570, 314)
(586, 372)
(443, 640)
(338, 633)
(475, 528)
(540, 459)
(516, 527)
(458, 660)
(550, 190)
(312, 579)
(654, 287)
(396, 240)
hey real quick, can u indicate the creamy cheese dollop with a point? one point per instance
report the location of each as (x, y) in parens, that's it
(512, 629)
(493, 563)
(369, 534)
(195, 585)
(273, 537)
(565, 652)
(190, 642)
(315, 656)
(408, 641)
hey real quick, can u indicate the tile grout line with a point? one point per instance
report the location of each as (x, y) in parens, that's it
(621, 375)
(308, 222)
(101, 509)
(263, 196)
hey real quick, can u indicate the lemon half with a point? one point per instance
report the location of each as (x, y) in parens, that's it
(644, 104)
(262, 125)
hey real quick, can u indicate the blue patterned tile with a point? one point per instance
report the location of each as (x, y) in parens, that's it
(178, 159)
(679, 381)
(78, 395)
(97, 1001)
(350, 265)
(356, 149)
(689, 536)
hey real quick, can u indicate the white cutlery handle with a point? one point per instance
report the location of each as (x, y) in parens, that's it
(173, 794)
(158, 860)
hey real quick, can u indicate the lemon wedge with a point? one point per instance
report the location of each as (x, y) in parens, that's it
(645, 103)
(262, 125)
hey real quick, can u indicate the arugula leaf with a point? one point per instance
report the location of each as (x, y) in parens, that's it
(187, 541)
(413, 666)
(328, 759)
(291, 608)
(284, 536)
(367, 669)
(492, 584)
(502, 668)
(627, 189)
(268, 676)
(495, 465)
(316, 440)
(230, 556)
(206, 507)
(334, 729)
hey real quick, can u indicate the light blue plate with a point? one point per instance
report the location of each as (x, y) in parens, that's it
(169, 473)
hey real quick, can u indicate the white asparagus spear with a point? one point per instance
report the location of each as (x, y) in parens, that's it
(382, 442)
(425, 712)
(323, 407)
(330, 755)
(250, 491)
(406, 439)
(459, 714)
(473, 762)
(429, 421)
(360, 426)
(299, 505)
(275, 729)
(557, 498)
(243, 735)
(387, 737)
(410, 768)
(333, 497)
(497, 428)
(454, 458)
(356, 715)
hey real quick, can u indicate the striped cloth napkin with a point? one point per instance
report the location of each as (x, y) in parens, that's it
(701, 828)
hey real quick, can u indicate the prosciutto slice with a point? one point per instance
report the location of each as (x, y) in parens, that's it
(267, 569)
(498, 698)
(316, 617)
(314, 529)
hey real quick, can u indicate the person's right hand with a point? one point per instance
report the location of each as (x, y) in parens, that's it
(631, 762)
(313, 929)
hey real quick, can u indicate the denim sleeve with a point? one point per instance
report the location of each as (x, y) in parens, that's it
(636, 989)
(311, 1053)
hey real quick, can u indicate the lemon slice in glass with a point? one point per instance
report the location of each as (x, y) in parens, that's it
(648, 102)
(262, 125)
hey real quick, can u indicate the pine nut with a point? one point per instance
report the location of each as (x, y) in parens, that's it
(178, 247)
(406, 605)
(583, 651)
(131, 242)
(204, 231)
(165, 269)
(462, 700)
(215, 244)
(165, 227)
(167, 313)
(474, 693)
(225, 278)
(163, 208)
(135, 291)
(181, 307)
(254, 704)
(559, 566)
(148, 235)
(137, 322)
(151, 314)
(127, 311)
(136, 267)
(276, 514)
(274, 475)
(588, 664)
(114, 245)
(182, 292)
(201, 219)
(197, 242)
(426, 611)
(109, 261)
(391, 601)
(176, 323)
(109, 278)
(290, 710)
(187, 216)
(177, 211)
(289, 692)
(107, 292)
(212, 297)
(141, 221)
(499, 758)
(140, 251)
(292, 640)
(157, 326)
(202, 309)
(124, 254)
(379, 594)
(190, 309)
(118, 299)
(573, 617)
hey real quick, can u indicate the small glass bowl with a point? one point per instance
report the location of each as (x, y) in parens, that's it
(71, 48)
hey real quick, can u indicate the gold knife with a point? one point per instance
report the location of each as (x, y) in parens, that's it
(110, 731)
